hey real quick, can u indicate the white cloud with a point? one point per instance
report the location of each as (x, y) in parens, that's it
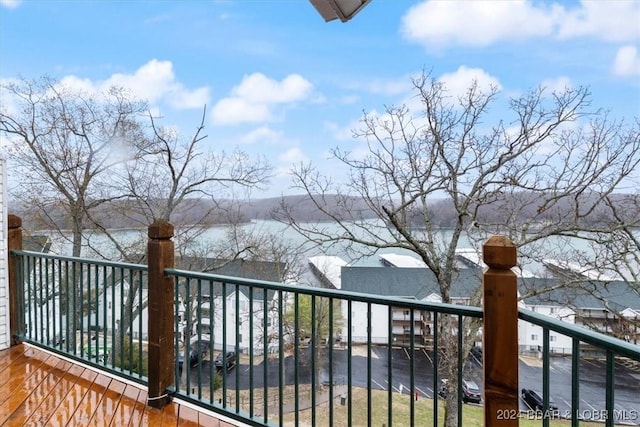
(255, 98)
(476, 23)
(390, 87)
(263, 134)
(155, 81)
(559, 84)
(10, 4)
(459, 82)
(481, 23)
(627, 62)
(229, 111)
(612, 20)
(343, 133)
(292, 156)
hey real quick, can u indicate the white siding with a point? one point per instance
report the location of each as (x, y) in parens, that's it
(359, 323)
(530, 336)
(4, 292)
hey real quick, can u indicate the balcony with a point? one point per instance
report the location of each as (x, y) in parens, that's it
(41, 388)
(298, 360)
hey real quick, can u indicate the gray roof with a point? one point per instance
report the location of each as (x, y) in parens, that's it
(259, 270)
(585, 294)
(407, 282)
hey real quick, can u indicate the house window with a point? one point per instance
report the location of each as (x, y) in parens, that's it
(406, 312)
(552, 338)
(534, 337)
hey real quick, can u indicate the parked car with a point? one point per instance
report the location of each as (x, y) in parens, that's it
(533, 399)
(199, 351)
(470, 391)
(229, 358)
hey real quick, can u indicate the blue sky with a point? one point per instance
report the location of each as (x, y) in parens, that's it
(278, 81)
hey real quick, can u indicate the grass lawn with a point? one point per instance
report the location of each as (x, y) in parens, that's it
(472, 415)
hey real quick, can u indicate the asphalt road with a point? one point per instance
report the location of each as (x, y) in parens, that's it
(592, 378)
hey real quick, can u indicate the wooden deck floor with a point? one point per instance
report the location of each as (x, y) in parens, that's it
(40, 389)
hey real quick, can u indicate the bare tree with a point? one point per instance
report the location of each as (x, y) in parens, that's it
(64, 143)
(82, 152)
(552, 148)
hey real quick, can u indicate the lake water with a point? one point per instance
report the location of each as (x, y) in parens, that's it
(554, 248)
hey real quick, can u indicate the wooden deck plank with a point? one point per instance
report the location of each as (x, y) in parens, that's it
(90, 401)
(27, 377)
(33, 410)
(151, 417)
(38, 388)
(126, 406)
(188, 416)
(68, 402)
(10, 356)
(51, 401)
(170, 415)
(138, 409)
(109, 403)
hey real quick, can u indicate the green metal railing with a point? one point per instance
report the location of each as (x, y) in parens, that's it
(301, 355)
(290, 341)
(78, 308)
(613, 351)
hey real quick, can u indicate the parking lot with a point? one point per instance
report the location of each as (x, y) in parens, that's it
(592, 378)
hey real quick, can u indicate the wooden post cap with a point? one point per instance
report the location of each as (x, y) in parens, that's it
(160, 230)
(14, 221)
(499, 252)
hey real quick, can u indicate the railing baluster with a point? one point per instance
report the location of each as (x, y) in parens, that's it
(61, 331)
(314, 335)
(436, 361)
(390, 366)
(609, 391)
(330, 349)
(281, 381)
(369, 369)
(575, 382)
(251, 338)
(460, 369)
(296, 354)
(176, 337)
(54, 312)
(349, 362)
(186, 362)
(265, 387)
(412, 367)
(199, 345)
(45, 301)
(103, 293)
(545, 377)
(140, 332)
(92, 352)
(39, 323)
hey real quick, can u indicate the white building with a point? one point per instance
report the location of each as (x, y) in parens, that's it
(530, 338)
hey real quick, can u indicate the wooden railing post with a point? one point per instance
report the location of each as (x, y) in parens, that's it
(500, 333)
(161, 311)
(14, 243)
